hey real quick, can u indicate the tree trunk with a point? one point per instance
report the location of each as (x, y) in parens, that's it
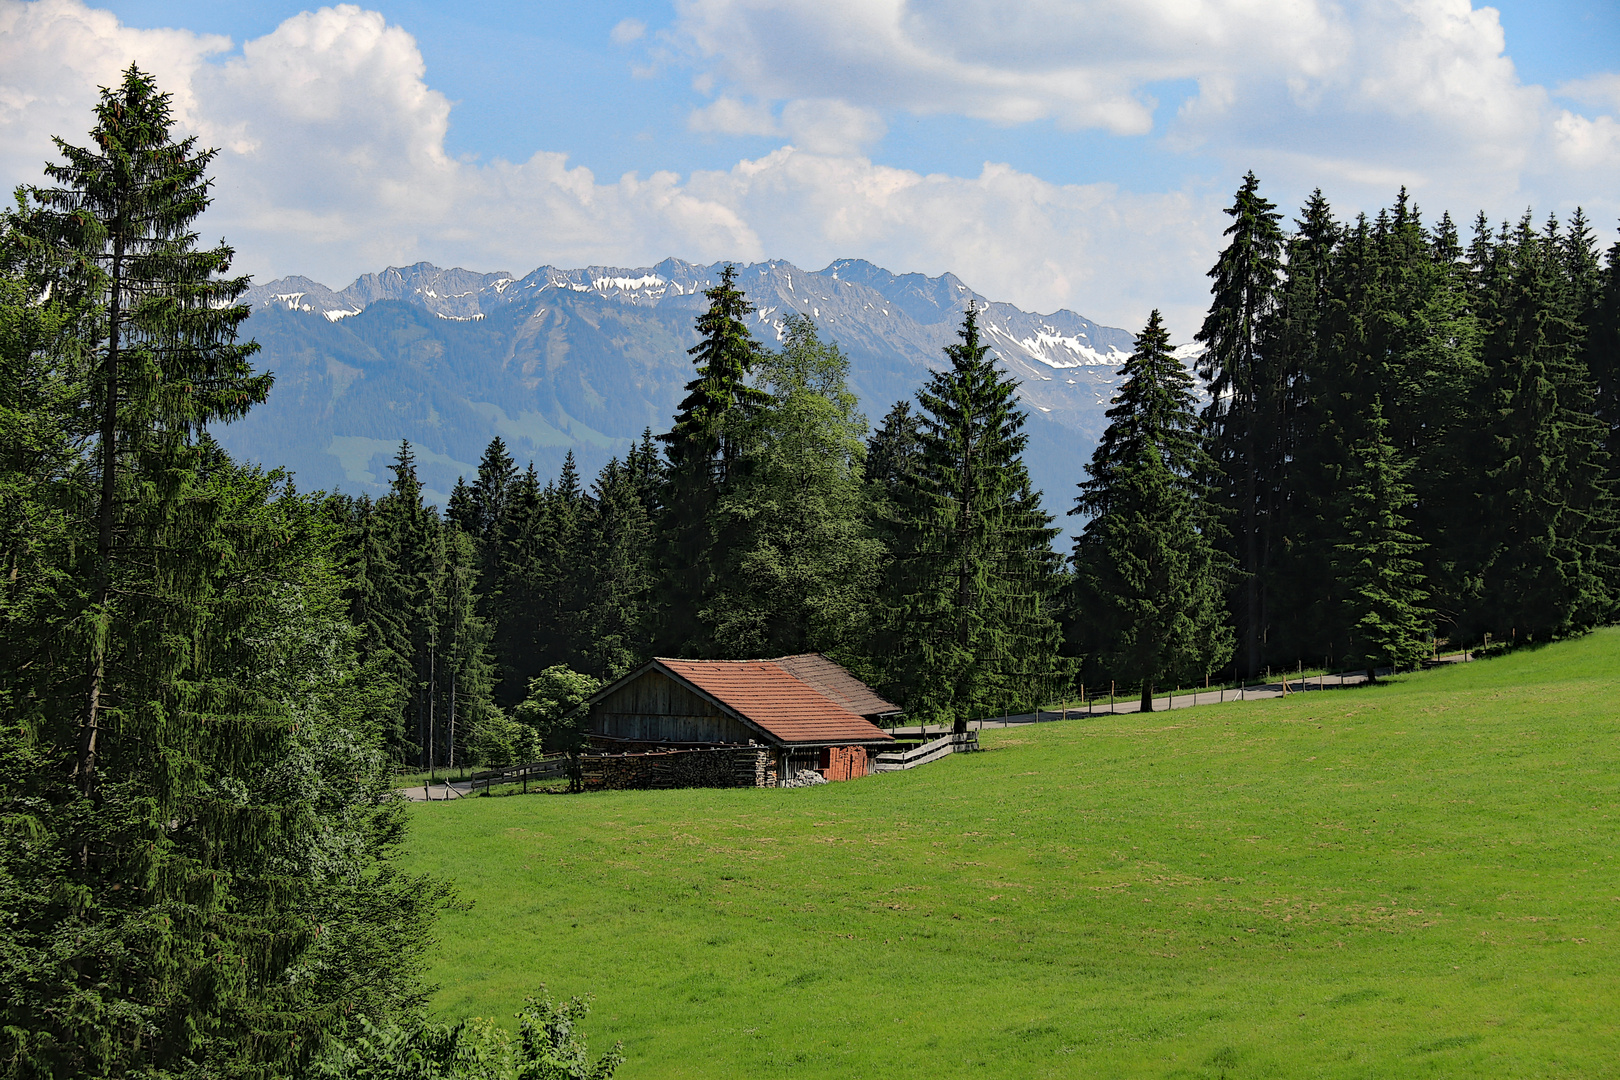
(1251, 586)
(1147, 696)
(88, 749)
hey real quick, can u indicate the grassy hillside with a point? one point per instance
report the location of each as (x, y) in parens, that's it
(1418, 879)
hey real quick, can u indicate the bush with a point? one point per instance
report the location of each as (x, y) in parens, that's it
(547, 1047)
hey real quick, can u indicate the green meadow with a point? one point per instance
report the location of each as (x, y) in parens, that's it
(1409, 880)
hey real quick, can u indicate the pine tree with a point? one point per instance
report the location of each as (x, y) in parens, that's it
(618, 532)
(1551, 522)
(1385, 619)
(1148, 579)
(970, 592)
(1603, 357)
(1247, 396)
(165, 859)
(891, 454)
(415, 539)
(703, 447)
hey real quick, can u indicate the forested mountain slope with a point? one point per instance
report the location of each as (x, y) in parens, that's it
(586, 359)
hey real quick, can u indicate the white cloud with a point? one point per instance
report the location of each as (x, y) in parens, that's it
(333, 155)
(1588, 145)
(1358, 98)
(627, 30)
(830, 126)
(729, 116)
(1600, 90)
(822, 125)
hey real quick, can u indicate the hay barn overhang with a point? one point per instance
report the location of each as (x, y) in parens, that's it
(737, 701)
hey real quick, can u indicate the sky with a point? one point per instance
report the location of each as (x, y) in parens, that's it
(1051, 153)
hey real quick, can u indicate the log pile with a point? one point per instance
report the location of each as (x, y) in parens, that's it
(739, 766)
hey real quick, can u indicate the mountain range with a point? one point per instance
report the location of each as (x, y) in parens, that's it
(587, 359)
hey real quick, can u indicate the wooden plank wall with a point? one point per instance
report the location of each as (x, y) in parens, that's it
(656, 708)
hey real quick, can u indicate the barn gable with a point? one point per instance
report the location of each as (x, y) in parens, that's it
(649, 706)
(725, 701)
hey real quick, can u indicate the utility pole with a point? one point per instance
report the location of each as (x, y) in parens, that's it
(432, 687)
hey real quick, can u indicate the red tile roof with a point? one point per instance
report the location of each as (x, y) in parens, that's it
(788, 709)
(833, 681)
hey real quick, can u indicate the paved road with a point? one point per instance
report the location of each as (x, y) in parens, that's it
(438, 792)
(1188, 700)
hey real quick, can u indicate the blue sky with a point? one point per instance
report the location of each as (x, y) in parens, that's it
(1072, 153)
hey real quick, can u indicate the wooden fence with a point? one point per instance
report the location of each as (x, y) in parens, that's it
(552, 767)
(954, 743)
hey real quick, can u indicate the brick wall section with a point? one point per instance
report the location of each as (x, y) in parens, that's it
(743, 766)
(846, 763)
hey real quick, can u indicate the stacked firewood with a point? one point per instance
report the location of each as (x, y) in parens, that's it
(745, 766)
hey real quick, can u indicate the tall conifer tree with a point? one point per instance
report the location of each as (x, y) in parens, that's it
(703, 446)
(1247, 396)
(800, 570)
(174, 831)
(1385, 620)
(970, 593)
(1148, 604)
(1551, 523)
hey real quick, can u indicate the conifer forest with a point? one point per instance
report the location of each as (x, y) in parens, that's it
(1401, 431)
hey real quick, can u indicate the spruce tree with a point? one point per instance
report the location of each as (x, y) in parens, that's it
(1384, 616)
(703, 447)
(1603, 356)
(1300, 582)
(167, 856)
(1148, 604)
(1551, 523)
(491, 492)
(891, 452)
(970, 592)
(618, 534)
(466, 685)
(1248, 392)
(115, 240)
(415, 539)
(521, 540)
(383, 642)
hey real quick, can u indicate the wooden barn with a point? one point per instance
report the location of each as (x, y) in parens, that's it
(809, 712)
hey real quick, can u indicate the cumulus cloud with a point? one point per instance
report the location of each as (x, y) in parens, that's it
(627, 30)
(1355, 97)
(729, 116)
(333, 164)
(333, 159)
(1600, 90)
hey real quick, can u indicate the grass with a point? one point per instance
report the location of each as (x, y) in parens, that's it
(1411, 880)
